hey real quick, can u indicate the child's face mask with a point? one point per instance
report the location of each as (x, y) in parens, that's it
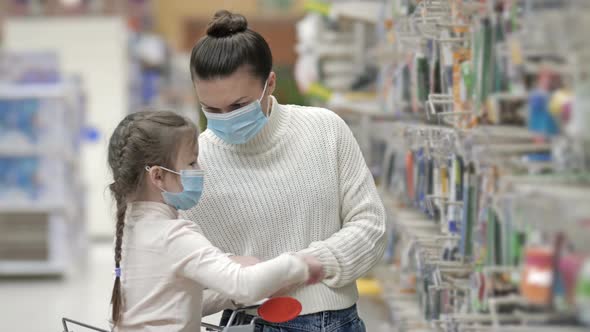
(192, 184)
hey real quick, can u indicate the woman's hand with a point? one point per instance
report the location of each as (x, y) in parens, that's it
(245, 260)
(316, 269)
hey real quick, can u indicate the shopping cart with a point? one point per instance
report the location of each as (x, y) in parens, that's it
(275, 310)
(65, 321)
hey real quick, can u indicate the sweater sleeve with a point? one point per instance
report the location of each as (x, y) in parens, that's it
(195, 258)
(214, 302)
(352, 251)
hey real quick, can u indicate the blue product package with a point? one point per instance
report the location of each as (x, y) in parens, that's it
(540, 119)
(37, 67)
(19, 121)
(19, 175)
(150, 86)
(466, 226)
(539, 157)
(420, 184)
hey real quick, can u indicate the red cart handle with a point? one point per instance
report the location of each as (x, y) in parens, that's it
(280, 309)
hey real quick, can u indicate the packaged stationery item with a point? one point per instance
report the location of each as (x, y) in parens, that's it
(26, 179)
(454, 211)
(27, 68)
(580, 111)
(19, 122)
(537, 278)
(31, 122)
(469, 210)
(540, 119)
(570, 266)
(410, 175)
(19, 179)
(583, 294)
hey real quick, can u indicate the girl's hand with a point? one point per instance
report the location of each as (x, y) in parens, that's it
(316, 275)
(316, 270)
(245, 260)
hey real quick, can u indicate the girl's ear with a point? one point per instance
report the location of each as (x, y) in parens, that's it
(156, 176)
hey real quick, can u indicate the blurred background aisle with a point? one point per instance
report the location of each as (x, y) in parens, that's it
(473, 116)
(69, 71)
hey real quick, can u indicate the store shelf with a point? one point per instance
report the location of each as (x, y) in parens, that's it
(41, 202)
(369, 108)
(554, 208)
(488, 74)
(562, 179)
(30, 268)
(53, 90)
(520, 328)
(365, 11)
(31, 151)
(335, 50)
(404, 309)
(486, 132)
(32, 207)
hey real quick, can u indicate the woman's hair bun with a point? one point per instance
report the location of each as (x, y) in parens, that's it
(225, 24)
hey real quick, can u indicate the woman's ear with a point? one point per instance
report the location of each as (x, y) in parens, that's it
(270, 88)
(272, 83)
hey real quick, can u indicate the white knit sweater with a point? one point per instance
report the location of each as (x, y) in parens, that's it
(300, 185)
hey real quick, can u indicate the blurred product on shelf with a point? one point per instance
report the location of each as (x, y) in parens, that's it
(537, 275)
(477, 133)
(583, 293)
(332, 51)
(74, 7)
(41, 195)
(149, 62)
(29, 68)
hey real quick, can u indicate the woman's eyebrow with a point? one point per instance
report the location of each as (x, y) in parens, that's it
(207, 106)
(239, 100)
(234, 103)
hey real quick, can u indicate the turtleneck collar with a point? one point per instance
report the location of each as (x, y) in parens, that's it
(265, 139)
(150, 211)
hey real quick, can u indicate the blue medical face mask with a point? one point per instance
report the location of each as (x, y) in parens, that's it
(239, 126)
(192, 184)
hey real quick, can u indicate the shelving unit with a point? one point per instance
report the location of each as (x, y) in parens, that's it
(41, 196)
(477, 125)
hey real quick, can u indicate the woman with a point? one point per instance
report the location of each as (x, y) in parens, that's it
(281, 178)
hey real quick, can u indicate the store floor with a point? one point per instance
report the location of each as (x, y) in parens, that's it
(35, 305)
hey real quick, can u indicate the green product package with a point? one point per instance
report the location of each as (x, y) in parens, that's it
(483, 62)
(468, 77)
(422, 78)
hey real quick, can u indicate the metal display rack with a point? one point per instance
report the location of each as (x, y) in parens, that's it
(42, 224)
(455, 83)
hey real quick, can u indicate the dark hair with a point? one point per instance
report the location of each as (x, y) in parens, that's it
(229, 45)
(141, 139)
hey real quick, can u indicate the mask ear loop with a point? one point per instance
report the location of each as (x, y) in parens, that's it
(263, 90)
(169, 170)
(267, 114)
(148, 168)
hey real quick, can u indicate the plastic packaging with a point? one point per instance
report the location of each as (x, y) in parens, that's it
(583, 294)
(537, 277)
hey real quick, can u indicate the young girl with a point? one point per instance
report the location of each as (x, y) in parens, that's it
(162, 263)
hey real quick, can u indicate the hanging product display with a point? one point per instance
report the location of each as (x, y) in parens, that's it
(487, 146)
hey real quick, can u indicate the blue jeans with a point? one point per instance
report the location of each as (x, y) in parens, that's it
(346, 320)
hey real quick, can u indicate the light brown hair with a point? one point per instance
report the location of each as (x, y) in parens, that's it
(141, 139)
